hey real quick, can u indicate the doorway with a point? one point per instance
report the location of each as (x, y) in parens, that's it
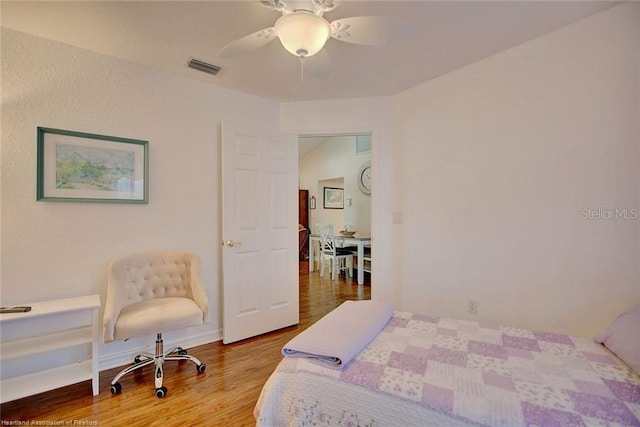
(334, 162)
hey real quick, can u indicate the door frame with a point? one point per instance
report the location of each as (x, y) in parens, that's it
(338, 135)
(382, 287)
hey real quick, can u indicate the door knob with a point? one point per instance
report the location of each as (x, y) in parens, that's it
(231, 243)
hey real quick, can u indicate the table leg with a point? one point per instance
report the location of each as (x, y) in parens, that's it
(311, 255)
(360, 263)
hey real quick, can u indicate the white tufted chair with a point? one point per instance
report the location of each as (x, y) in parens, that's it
(150, 293)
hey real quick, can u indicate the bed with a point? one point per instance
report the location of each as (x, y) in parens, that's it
(419, 370)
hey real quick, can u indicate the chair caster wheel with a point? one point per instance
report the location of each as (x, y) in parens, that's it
(182, 352)
(161, 392)
(201, 368)
(116, 388)
(137, 359)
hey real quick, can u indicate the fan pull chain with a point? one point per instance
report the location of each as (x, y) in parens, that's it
(301, 69)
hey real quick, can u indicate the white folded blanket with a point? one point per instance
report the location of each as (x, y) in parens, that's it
(342, 334)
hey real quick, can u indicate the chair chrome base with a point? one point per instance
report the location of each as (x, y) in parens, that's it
(144, 359)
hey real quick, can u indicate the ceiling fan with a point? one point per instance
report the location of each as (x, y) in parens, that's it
(303, 31)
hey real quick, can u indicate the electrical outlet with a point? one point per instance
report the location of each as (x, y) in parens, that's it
(473, 306)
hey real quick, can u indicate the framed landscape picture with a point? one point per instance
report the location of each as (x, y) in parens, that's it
(333, 198)
(84, 167)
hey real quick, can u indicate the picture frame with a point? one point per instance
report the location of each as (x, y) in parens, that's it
(333, 198)
(85, 167)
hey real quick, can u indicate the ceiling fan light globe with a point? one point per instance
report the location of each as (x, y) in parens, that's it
(302, 33)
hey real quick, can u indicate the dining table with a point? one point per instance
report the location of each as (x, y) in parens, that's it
(355, 240)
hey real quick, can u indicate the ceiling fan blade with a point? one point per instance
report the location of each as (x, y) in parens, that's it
(248, 43)
(277, 5)
(318, 65)
(369, 30)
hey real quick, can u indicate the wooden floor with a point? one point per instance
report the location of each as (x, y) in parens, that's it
(224, 395)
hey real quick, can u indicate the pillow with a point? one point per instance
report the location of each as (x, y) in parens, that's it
(623, 337)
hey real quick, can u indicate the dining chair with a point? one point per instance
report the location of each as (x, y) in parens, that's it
(339, 258)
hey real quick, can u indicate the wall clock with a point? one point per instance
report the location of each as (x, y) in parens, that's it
(364, 177)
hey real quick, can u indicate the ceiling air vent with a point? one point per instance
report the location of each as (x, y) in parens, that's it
(196, 64)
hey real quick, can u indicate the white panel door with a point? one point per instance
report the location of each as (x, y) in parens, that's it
(260, 230)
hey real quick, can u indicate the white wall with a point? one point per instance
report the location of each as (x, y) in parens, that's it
(56, 250)
(497, 162)
(335, 158)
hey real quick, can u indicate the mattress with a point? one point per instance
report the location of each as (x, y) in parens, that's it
(422, 370)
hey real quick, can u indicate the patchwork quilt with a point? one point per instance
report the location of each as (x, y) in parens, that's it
(423, 370)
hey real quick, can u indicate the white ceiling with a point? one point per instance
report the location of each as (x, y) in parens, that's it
(309, 143)
(445, 35)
